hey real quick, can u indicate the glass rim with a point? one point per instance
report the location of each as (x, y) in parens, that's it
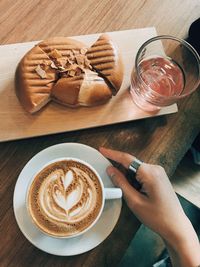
(170, 37)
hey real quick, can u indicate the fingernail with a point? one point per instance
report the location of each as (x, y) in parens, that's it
(112, 175)
(110, 172)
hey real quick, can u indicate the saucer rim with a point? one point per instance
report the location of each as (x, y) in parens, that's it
(24, 232)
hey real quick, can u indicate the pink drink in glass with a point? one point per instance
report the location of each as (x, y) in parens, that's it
(160, 75)
(166, 69)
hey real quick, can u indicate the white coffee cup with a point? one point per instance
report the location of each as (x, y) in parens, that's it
(107, 194)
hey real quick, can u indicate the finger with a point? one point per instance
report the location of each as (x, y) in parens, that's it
(124, 158)
(129, 193)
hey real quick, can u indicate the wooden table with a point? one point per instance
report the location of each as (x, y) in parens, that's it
(162, 140)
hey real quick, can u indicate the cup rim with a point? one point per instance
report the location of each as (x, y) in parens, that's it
(102, 205)
(182, 41)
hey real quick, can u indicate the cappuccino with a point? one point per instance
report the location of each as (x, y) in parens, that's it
(65, 198)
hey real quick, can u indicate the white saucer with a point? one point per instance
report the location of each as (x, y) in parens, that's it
(76, 245)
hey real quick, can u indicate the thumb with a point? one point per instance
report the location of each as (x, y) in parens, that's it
(131, 195)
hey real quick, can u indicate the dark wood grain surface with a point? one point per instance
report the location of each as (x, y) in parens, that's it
(162, 140)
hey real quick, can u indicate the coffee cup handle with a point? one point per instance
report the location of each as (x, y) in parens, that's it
(112, 193)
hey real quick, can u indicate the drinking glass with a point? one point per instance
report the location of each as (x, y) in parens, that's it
(166, 69)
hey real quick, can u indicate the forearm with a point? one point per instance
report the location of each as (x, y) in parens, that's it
(185, 252)
(184, 258)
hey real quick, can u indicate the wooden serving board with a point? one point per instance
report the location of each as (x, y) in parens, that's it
(15, 123)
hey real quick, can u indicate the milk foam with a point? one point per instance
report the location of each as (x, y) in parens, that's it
(68, 198)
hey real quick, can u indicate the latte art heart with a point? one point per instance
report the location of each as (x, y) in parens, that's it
(65, 198)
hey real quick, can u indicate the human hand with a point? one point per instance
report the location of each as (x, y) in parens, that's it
(156, 204)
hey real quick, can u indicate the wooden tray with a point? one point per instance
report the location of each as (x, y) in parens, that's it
(15, 123)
